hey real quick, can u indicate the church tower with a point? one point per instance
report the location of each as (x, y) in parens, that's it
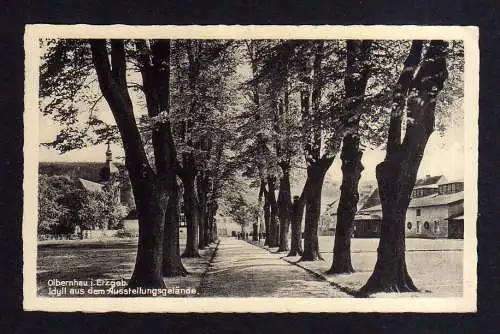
(109, 170)
(109, 155)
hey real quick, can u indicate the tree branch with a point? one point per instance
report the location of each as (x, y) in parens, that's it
(120, 104)
(399, 97)
(118, 64)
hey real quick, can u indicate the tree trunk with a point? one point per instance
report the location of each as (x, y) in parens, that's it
(348, 205)
(396, 175)
(297, 214)
(255, 232)
(172, 264)
(355, 80)
(284, 208)
(148, 264)
(267, 218)
(390, 273)
(315, 176)
(155, 71)
(274, 225)
(192, 217)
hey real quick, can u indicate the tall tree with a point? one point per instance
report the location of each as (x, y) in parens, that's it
(203, 71)
(189, 171)
(317, 163)
(257, 153)
(285, 150)
(155, 70)
(312, 70)
(356, 77)
(419, 84)
(68, 68)
(149, 191)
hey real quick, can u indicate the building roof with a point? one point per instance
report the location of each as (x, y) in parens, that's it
(436, 199)
(427, 186)
(364, 216)
(453, 180)
(456, 216)
(89, 185)
(427, 182)
(331, 208)
(431, 200)
(372, 200)
(86, 170)
(430, 180)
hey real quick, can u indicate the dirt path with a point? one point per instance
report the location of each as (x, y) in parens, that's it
(243, 270)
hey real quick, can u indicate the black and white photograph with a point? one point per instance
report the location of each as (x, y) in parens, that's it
(250, 168)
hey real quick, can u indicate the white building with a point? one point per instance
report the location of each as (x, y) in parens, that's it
(435, 211)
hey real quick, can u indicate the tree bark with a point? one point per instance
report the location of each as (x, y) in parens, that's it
(151, 215)
(166, 157)
(172, 264)
(315, 177)
(284, 208)
(297, 214)
(396, 175)
(267, 218)
(356, 77)
(349, 196)
(255, 232)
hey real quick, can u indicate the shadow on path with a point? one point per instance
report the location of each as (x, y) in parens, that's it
(240, 269)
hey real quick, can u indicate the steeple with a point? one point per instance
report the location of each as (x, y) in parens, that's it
(109, 155)
(109, 167)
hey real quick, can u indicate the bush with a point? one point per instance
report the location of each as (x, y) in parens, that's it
(63, 205)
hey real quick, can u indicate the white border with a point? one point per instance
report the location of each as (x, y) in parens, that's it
(466, 303)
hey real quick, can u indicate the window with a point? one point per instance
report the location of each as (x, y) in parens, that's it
(418, 227)
(426, 225)
(408, 225)
(182, 220)
(418, 212)
(182, 217)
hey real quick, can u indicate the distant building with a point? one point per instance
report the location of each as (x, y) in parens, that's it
(93, 176)
(328, 220)
(226, 226)
(435, 211)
